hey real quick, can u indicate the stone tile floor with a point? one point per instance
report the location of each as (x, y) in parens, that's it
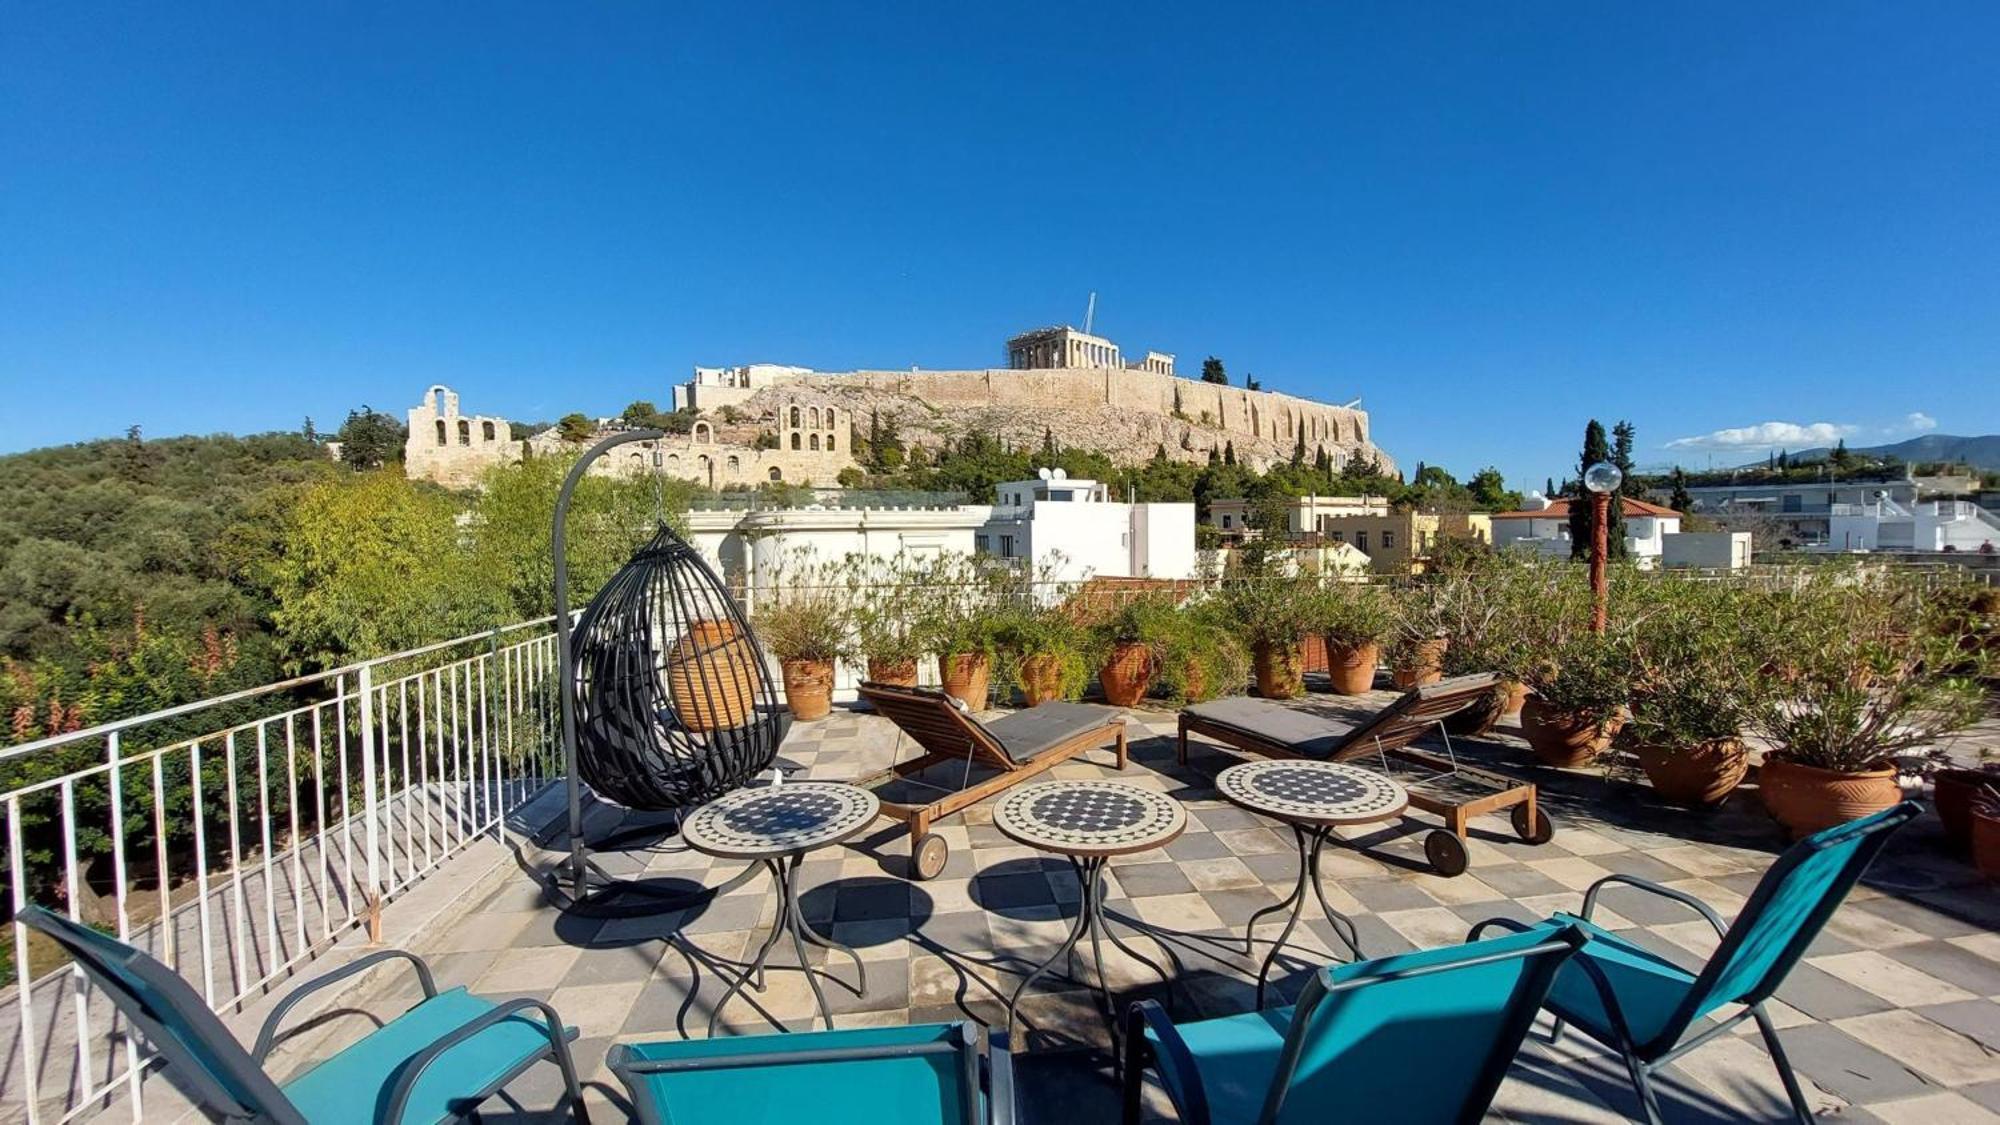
(1892, 1017)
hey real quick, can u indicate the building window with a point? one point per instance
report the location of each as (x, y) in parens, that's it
(1361, 540)
(464, 432)
(795, 439)
(486, 431)
(1006, 546)
(1388, 540)
(815, 443)
(1225, 523)
(441, 438)
(795, 418)
(735, 462)
(1338, 536)
(829, 443)
(775, 474)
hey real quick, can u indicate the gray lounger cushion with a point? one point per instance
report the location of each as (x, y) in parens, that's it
(1025, 734)
(1303, 733)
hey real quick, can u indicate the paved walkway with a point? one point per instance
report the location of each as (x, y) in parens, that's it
(1892, 1017)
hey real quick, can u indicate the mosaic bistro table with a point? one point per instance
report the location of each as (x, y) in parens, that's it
(1087, 823)
(1312, 798)
(776, 826)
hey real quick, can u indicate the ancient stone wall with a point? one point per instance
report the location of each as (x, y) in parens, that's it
(1188, 415)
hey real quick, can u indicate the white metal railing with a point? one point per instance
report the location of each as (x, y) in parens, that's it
(241, 835)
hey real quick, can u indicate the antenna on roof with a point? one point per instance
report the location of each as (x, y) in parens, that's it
(1090, 312)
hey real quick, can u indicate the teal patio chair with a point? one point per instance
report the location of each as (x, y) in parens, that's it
(435, 1062)
(927, 1074)
(1642, 1005)
(1418, 1037)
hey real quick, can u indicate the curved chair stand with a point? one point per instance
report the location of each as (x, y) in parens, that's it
(667, 699)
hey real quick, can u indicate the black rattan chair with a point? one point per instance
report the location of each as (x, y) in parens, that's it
(674, 701)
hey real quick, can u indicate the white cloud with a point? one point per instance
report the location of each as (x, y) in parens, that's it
(1767, 435)
(1918, 422)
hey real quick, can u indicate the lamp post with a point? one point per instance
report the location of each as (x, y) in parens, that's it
(1602, 479)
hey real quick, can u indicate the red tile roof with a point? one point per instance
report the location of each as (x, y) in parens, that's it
(1559, 510)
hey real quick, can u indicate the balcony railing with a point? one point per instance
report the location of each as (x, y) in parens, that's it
(239, 836)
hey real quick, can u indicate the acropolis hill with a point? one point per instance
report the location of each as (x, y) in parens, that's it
(1064, 381)
(1066, 384)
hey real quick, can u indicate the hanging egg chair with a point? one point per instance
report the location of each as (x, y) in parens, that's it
(673, 700)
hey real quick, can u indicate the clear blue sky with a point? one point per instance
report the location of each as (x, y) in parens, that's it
(1488, 221)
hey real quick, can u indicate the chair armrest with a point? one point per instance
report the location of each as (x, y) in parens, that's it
(414, 1069)
(1507, 924)
(267, 1036)
(1171, 1055)
(999, 1079)
(1682, 897)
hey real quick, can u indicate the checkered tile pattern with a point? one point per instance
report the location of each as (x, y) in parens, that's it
(1892, 1017)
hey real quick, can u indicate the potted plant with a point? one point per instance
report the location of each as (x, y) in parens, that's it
(959, 616)
(1202, 658)
(804, 624)
(1859, 688)
(1487, 612)
(1046, 651)
(885, 627)
(1133, 639)
(1693, 682)
(1984, 811)
(1578, 700)
(1355, 620)
(1415, 648)
(1272, 613)
(1952, 792)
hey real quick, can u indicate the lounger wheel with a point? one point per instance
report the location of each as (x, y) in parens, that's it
(1540, 832)
(1446, 852)
(928, 855)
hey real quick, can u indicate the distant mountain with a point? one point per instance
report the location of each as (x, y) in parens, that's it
(1980, 452)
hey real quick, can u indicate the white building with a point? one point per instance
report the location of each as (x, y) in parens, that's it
(1884, 524)
(1305, 515)
(1094, 535)
(746, 546)
(1544, 526)
(1706, 550)
(713, 388)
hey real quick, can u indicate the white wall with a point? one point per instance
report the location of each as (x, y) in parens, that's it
(1706, 550)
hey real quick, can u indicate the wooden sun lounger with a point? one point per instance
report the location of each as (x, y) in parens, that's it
(1013, 748)
(1440, 785)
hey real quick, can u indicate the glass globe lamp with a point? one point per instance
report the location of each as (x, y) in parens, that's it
(1603, 477)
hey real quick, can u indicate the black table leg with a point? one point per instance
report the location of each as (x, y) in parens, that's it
(1311, 841)
(790, 922)
(1088, 871)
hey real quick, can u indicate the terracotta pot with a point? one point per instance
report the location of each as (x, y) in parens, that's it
(712, 676)
(1426, 666)
(1516, 697)
(1806, 799)
(1985, 838)
(1194, 682)
(808, 688)
(1126, 674)
(1313, 654)
(1953, 793)
(1697, 775)
(1280, 670)
(1561, 739)
(1478, 718)
(1041, 678)
(1351, 668)
(898, 673)
(965, 676)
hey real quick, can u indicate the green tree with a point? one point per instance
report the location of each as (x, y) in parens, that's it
(1680, 501)
(1840, 457)
(1623, 436)
(1229, 453)
(1212, 371)
(371, 564)
(1595, 449)
(575, 428)
(642, 415)
(370, 439)
(1490, 493)
(1250, 382)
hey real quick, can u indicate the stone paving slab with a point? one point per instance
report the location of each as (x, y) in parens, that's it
(1893, 1016)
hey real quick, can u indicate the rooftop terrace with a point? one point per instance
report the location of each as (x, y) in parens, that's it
(1893, 1016)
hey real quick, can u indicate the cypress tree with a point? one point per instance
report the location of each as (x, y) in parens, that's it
(1595, 448)
(1229, 453)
